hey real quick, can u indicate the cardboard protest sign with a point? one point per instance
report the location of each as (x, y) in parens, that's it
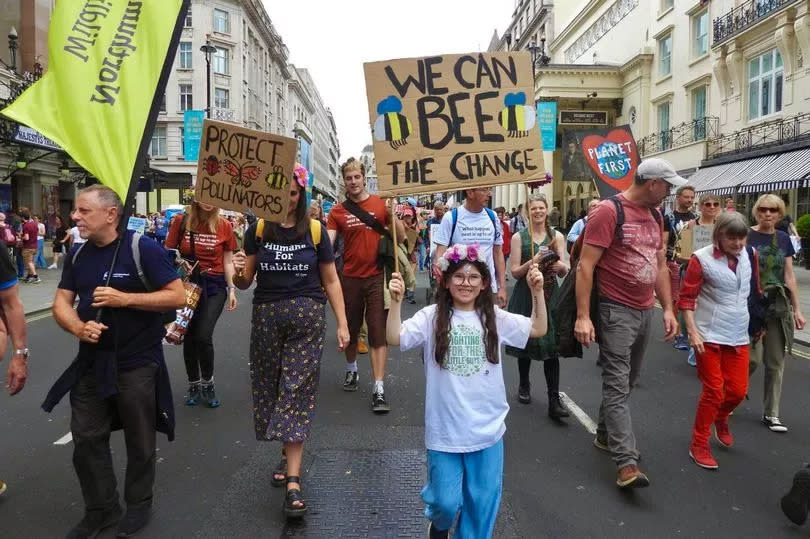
(612, 156)
(245, 170)
(443, 123)
(694, 238)
(138, 224)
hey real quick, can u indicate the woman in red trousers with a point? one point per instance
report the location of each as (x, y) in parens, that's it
(714, 301)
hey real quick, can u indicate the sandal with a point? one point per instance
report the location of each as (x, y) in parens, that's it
(279, 470)
(293, 496)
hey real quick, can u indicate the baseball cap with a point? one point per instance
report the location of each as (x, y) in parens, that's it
(655, 168)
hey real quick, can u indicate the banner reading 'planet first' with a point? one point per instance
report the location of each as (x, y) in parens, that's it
(442, 123)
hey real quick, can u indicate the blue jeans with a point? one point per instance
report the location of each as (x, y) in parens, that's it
(470, 483)
(422, 256)
(20, 265)
(39, 258)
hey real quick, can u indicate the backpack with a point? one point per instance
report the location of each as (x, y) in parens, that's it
(492, 217)
(757, 301)
(314, 231)
(136, 257)
(8, 236)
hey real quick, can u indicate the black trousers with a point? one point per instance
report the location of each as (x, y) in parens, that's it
(90, 424)
(198, 346)
(551, 368)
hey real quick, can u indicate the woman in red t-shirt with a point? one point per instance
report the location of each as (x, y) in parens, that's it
(203, 236)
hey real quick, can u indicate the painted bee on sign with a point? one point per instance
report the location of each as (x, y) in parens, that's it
(276, 179)
(390, 125)
(516, 118)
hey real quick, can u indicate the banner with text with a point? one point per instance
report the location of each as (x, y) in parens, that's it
(443, 123)
(192, 133)
(244, 170)
(612, 156)
(105, 59)
(547, 118)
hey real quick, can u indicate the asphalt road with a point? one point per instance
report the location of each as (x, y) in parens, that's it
(363, 472)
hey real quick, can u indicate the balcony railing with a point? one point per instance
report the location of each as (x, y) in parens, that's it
(743, 16)
(680, 135)
(761, 136)
(225, 115)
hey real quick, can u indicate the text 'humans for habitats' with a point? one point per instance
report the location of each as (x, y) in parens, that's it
(245, 170)
(453, 122)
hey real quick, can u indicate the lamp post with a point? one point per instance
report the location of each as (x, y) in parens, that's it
(538, 55)
(208, 50)
(12, 47)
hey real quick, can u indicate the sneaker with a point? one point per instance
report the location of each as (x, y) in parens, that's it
(362, 347)
(795, 503)
(134, 521)
(703, 457)
(691, 359)
(35, 280)
(350, 383)
(525, 393)
(3, 487)
(601, 442)
(94, 522)
(209, 395)
(52, 266)
(631, 476)
(681, 343)
(378, 403)
(433, 533)
(774, 424)
(194, 395)
(556, 409)
(722, 433)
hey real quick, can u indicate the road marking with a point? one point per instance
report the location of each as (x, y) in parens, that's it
(579, 413)
(36, 317)
(64, 440)
(801, 354)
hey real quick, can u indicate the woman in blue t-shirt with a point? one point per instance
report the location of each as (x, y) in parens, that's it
(784, 310)
(294, 267)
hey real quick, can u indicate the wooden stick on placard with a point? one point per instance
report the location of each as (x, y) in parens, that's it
(531, 225)
(394, 233)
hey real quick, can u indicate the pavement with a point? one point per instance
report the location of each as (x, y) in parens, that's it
(362, 473)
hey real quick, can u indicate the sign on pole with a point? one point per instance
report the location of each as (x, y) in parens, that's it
(449, 122)
(612, 156)
(547, 118)
(245, 170)
(192, 133)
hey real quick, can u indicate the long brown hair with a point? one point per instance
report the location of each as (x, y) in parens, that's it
(483, 306)
(550, 233)
(195, 221)
(271, 230)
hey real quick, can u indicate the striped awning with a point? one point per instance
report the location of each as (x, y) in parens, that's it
(736, 173)
(705, 176)
(787, 171)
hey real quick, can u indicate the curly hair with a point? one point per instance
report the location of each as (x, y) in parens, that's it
(483, 306)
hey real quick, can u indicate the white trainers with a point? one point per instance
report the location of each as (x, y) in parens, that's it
(774, 424)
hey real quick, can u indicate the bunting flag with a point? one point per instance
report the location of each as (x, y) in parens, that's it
(105, 59)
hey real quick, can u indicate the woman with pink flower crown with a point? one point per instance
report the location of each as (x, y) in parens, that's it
(465, 396)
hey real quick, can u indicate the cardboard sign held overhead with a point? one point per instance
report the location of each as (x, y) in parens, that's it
(443, 123)
(245, 170)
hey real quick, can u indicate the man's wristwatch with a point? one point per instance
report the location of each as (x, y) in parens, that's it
(22, 352)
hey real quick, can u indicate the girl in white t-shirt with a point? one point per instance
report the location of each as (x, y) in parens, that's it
(465, 398)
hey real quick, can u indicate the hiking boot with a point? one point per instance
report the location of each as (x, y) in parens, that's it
(556, 409)
(525, 393)
(379, 404)
(703, 457)
(774, 424)
(630, 476)
(795, 503)
(95, 521)
(601, 442)
(136, 518)
(722, 433)
(362, 347)
(350, 383)
(194, 395)
(209, 395)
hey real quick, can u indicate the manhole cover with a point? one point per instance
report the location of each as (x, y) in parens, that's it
(363, 494)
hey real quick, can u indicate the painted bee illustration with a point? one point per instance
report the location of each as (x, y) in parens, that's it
(516, 118)
(390, 124)
(242, 175)
(277, 179)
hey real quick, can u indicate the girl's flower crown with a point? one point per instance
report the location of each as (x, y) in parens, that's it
(459, 252)
(301, 175)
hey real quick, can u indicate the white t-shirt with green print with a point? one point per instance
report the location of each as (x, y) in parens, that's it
(465, 401)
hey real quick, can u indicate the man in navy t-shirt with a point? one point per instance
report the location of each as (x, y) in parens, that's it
(119, 377)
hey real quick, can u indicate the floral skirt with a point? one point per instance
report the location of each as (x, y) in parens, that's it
(286, 344)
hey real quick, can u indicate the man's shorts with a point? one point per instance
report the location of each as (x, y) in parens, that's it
(365, 295)
(28, 255)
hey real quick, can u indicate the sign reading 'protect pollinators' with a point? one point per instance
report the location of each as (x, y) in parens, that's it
(442, 123)
(245, 170)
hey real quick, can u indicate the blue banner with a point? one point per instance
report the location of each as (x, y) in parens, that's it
(547, 120)
(192, 133)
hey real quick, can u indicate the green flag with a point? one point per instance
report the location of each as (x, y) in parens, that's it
(105, 62)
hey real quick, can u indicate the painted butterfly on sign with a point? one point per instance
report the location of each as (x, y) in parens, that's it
(241, 175)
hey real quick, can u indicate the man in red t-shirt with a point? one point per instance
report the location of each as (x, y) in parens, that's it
(363, 280)
(632, 268)
(30, 229)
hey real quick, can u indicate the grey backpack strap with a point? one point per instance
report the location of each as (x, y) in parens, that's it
(136, 257)
(76, 254)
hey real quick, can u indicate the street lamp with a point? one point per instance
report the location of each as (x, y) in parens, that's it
(538, 54)
(12, 47)
(208, 50)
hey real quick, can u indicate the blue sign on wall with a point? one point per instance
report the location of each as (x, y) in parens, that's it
(192, 133)
(547, 120)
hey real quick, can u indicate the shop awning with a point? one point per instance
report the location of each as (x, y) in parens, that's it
(727, 181)
(787, 171)
(705, 176)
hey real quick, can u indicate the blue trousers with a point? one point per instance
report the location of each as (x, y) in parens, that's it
(39, 260)
(422, 250)
(469, 483)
